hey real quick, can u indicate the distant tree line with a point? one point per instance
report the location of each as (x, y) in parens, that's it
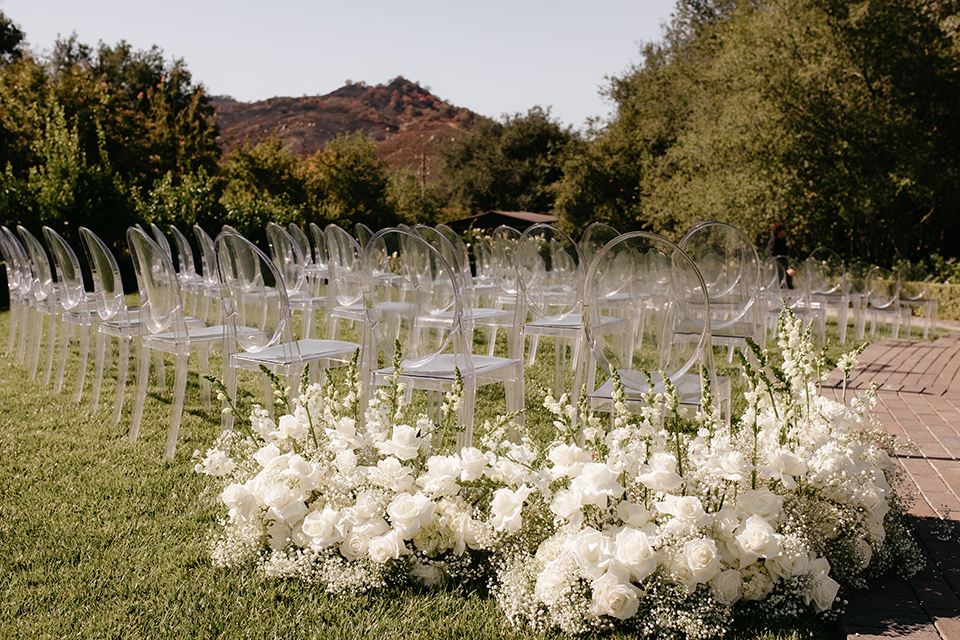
(837, 117)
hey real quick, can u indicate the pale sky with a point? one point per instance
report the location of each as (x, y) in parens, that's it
(495, 57)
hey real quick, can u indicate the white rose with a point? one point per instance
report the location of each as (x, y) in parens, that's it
(823, 588)
(303, 471)
(875, 500)
(441, 478)
(730, 464)
(726, 586)
(725, 523)
(784, 465)
(788, 564)
(660, 473)
(346, 461)
(291, 427)
(266, 454)
(702, 558)
(568, 460)
(322, 527)
(354, 545)
(386, 547)
(635, 515)
(408, 513)
(632, 550)
(391, 474)
(688, 509)
(217, 464)
(755, 539)
(567, 505)
(240, 500)
(278, 534)
(507, 508)
(615, 598)
(596, 483)
(285, 504)
(591, 550)
(466, 532)
(404, 445)
(472, 464)
(760, 502)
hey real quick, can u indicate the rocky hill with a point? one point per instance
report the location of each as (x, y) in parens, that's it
(408, 122)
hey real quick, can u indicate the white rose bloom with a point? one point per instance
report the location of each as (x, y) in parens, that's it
(303, 471)
(823, 588)
(240, 500)
(788, 564)
(874, 499)
(466, 532)
(682, 573)
(405, 443)
(217, 464)
(567, 505)
(346, 461)
(408, 513)
(507, 508)
(551, 585)
(760, 502)
(660, 473)
(596, 483)
(568, 460)
(591, 550)
(323, 527)
(290, 427)
(266, 454)
(392, 474)
(614, 597)
(285, 504)
(279, 535)
(442, 476)
(756, 539)
(633, 514)
(354, 545)
(372, 527)
(632, 550)
(386, 547)
(702, 558)
(725, 523)
(472, 464)
(730, 465)
(784, 465)
(726, 586)
(687, 509)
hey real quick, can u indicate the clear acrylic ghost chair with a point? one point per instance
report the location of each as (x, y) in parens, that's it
(314, 274)
(44, 306)
(594, 237)
(424, 293)
(855, 284)
(319, 251)
(346, 287)
(364, 233)
(117, 320)
(660, 284)
(24, 293)
(165, 329)
(914, 283)
(289, 259)
(13, 266)
(550, 274)
(77, 308)
(190, 281)
(884, 300)
(210, 280)
(826, 271)
(730, 267)
(258, 321)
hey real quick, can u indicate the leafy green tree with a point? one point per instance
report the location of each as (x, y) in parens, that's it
(511, 165)
(413, 201)
(11, 38)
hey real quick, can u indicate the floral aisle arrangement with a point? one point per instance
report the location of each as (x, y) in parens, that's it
(647, 522)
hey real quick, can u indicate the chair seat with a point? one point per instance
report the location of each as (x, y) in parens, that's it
(444, 364)
(310, 349)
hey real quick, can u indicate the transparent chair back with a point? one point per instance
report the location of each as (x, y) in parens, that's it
(826, 271)
(550, 267)
(504, 244)
(44, 303)
(914, 281)
(594, 237)
(343, 260)
(288, 257)
(364, 233)
(319, 246)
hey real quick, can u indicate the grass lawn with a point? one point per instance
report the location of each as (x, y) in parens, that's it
(101, 538)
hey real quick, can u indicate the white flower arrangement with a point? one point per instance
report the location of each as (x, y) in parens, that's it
(650, 523)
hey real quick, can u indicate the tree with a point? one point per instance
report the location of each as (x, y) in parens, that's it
(510, 165)
(10, 39)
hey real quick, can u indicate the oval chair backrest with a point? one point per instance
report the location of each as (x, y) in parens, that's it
(161, 241)
(319, 246)
(343, 260)
(551, 271)
(43, 285)
(883, 287)
(594, 237)
(730, 267)
(161, 302)
(914, 281)
(26, 281)
(302, 241)
(287, 256)
(255, 301)
(364, 233)
(11, 261)
(419, 306)
(856, 277)
(504, 243)
(69, 285)
(188, 265)
(208, 256)
(482, 250)
(441, 242)
(107, 285)
(826, 271)
(656, 288)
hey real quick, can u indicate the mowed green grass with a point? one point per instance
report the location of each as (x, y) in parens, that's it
(102, 538)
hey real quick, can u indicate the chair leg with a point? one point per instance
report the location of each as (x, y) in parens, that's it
(176, 412)
(36, 331)
(82, 361)
(143, 372)
(65, 330)
(99, 359)
(123, 364)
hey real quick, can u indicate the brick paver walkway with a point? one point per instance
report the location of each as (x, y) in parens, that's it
(919, 401)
